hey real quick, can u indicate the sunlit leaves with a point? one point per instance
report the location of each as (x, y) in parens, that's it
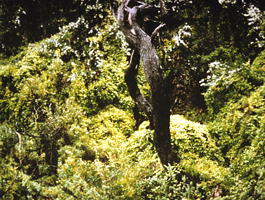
(238, 131)
(66, 97)
(49, 92)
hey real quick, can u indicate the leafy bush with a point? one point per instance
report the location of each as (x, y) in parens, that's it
(201, 160)
(166, 185)
(50, 95)
(229, 82)
(66, 98)
(238, 130)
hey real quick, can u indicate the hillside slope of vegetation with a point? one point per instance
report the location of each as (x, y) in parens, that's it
(70, 130)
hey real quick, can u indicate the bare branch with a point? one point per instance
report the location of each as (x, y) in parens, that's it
(141, 3)
(120, 16)
(173, 105)
(128, 16)
(156, 30)
(113, 8)
(130, 79)
(163, 13)
(19, 146)
(162, 8)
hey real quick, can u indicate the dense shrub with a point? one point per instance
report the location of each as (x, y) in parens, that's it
(67, 129)
(50, 96)
(238, 130)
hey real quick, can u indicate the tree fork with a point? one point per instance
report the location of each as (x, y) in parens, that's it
(130, 79)
(158, 113)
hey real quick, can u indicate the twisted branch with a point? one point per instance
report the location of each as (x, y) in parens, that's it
(159, 112)
(130, 79)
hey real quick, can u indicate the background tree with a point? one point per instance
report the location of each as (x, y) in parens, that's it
(24, 22)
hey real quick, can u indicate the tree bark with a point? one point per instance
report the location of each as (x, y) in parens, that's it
(131, 81)
(128, 16)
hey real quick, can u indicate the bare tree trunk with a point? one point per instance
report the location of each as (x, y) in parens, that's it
(128, 16)
(130, 79)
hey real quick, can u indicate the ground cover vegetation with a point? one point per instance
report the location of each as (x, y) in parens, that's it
(69, 128)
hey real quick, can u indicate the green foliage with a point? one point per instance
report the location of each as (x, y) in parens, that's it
(50, 96)
(205, 32)
(8, 141)
(230, 84)
(192, 139)
(24, 22)
(200, 157)
(115, 165)
(238, 130)
(65, 97)
(30, 80)
(110, 121)
(166, 185)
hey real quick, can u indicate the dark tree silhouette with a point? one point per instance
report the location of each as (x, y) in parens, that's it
(131, 16)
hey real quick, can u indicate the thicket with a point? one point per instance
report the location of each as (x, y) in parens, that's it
(67, 122)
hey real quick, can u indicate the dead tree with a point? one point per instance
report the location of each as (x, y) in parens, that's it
(131, 16)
